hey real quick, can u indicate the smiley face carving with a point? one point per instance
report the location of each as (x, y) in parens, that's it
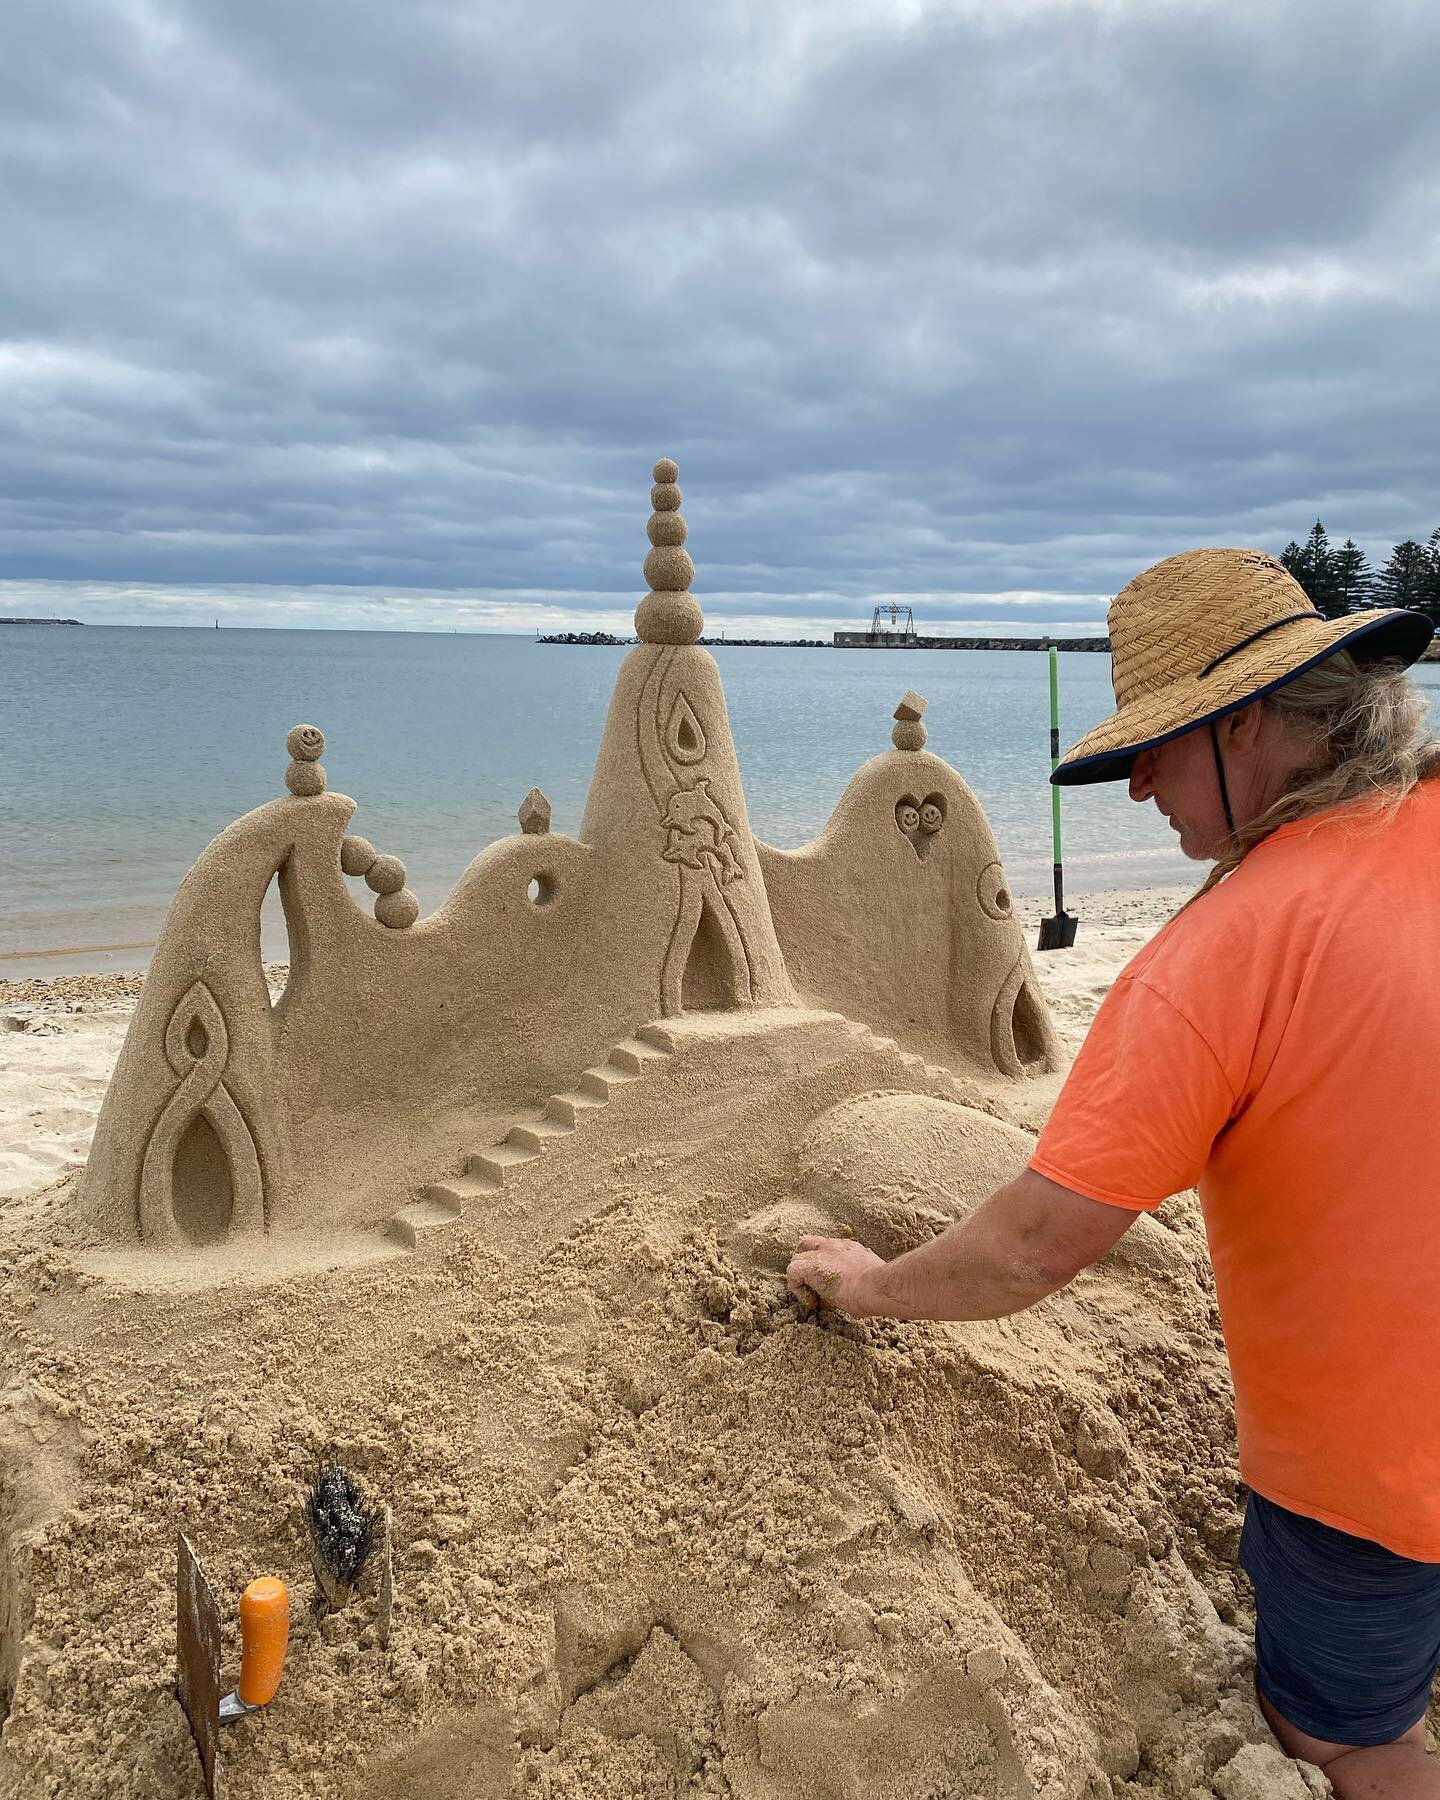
(918, 820)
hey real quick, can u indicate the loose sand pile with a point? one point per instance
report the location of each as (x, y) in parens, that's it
(658, 1532)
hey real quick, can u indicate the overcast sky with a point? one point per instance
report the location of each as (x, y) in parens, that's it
(350, 312)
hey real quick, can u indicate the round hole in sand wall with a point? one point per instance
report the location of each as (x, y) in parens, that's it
(991, 891)
(541, 890)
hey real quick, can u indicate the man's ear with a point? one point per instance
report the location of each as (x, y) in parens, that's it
(1242, 728)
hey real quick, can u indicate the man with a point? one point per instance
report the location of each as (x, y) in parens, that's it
(1277, 1044)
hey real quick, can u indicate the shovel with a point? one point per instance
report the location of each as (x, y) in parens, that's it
(1057, 933)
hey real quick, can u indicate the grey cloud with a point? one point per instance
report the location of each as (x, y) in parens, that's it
(970, 301)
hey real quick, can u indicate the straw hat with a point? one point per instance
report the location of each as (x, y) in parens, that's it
(1203, 634)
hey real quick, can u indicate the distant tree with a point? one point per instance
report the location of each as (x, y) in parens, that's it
(1432, 594)
(1407, 578)
(1354, 578)
(1313, 566)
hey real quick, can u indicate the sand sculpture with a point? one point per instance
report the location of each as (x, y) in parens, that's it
(347, 1101)
(656, 1530)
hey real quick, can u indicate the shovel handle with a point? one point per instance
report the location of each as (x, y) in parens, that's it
(264, 1634)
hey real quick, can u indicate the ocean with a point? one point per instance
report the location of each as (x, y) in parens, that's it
(124, 750)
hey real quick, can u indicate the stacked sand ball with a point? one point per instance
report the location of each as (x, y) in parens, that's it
(669, 613)
(395, 905)
(305, 777)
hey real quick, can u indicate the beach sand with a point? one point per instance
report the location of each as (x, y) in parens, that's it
(658, 1532)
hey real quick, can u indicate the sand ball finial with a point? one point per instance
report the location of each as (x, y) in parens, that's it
(668, 614)
(304, 777)
(909, 733)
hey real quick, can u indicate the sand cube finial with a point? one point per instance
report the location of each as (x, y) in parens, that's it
(668, 614)
(908, 732)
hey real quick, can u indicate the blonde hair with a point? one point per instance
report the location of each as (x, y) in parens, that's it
(1367, 726)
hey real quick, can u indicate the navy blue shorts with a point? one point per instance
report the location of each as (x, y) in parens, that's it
(1347, 1633)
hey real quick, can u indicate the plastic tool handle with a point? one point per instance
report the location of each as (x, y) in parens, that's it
(1054, 791)
(264, 1633)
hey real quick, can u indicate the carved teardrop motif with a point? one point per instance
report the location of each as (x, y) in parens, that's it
(200, 1183)
(684, 734)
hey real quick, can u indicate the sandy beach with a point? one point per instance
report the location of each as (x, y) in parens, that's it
(657, 1531)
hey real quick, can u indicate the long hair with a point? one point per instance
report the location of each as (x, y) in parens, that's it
(1366, 726)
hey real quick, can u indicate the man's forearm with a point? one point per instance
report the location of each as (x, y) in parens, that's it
(962, 1274)
(1028, 1239)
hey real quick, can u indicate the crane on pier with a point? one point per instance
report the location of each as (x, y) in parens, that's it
(885, 626)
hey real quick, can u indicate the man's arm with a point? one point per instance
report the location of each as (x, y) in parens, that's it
(1029, 1239)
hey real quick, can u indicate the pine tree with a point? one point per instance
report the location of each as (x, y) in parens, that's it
(1292, 557)
(1405, 579)
(1353, 577)
(1317, 572)
(1431, 602)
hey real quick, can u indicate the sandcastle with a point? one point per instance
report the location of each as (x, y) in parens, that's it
(372, 1091)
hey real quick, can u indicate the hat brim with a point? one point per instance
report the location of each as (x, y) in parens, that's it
(1108, 752)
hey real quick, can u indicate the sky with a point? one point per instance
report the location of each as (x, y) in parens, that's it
(343, 313)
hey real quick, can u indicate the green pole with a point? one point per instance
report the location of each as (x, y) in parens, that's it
(1054, 791)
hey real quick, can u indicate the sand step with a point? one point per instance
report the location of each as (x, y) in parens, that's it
(566, 1109)
(459, 1190)
(487, 1170)
(634, 1055)
(496, 1162)
(421, 1219)
(601, 1084)
(535, 1137)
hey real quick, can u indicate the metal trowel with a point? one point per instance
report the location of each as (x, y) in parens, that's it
(264, 1632)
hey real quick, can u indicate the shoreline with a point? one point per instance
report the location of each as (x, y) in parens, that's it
(60, 1036)
(53, 952)
(1105, 908)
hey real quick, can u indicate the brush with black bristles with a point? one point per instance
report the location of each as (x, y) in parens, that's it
(343, 1528)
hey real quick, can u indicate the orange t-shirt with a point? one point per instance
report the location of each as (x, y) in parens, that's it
(1278, 1045)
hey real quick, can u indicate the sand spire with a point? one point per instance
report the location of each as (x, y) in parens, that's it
(669, 613)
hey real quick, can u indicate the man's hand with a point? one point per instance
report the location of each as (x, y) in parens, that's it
(834, 1272)
(1028, 1239)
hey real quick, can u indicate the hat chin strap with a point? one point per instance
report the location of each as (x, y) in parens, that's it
(1220, 777)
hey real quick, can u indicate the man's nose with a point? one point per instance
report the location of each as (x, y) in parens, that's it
(1141, 786)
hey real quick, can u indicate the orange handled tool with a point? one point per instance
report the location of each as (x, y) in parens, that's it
(264, 1633)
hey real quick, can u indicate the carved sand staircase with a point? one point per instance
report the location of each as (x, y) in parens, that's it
(486, 1172)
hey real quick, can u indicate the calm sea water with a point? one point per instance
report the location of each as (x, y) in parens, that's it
(124, 750)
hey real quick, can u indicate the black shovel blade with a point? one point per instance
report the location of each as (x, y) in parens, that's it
(1058, 933)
